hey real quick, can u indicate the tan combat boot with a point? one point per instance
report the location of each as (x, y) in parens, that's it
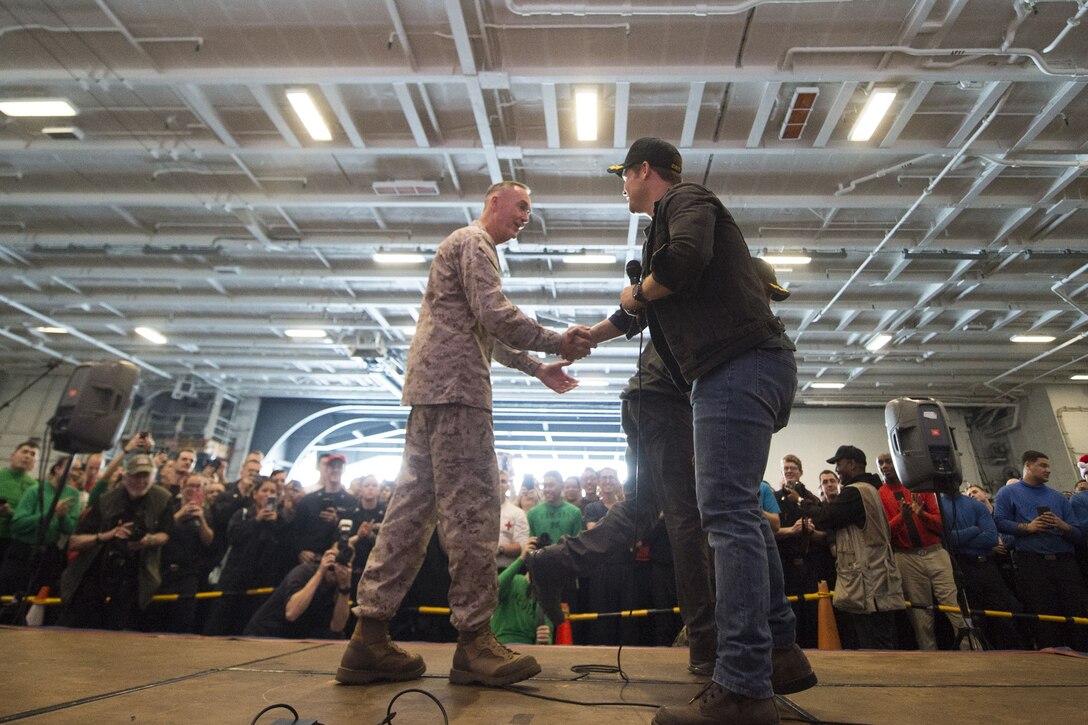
(371, 655)
(482, 658)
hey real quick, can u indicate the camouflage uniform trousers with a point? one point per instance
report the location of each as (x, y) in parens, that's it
(449, 477)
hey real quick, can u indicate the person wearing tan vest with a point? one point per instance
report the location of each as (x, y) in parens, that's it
(868, 587)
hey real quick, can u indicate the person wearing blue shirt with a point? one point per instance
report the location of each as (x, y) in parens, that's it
(1048, 579)
(769, 505)
(972, 536)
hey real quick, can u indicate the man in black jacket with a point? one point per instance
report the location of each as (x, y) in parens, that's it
(710, 321)
(869, 589)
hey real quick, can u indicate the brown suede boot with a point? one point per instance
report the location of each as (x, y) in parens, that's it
(371, 655)
(716, 705)
(792, 672)
(483, 659)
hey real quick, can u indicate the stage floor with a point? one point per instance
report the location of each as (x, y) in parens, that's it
(60, 676)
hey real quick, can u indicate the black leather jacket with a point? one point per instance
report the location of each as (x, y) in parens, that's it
(718, 308)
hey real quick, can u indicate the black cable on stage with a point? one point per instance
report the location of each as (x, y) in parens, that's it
(277, 706)
(389, 714)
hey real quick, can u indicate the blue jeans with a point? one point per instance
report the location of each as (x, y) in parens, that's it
(737, 406)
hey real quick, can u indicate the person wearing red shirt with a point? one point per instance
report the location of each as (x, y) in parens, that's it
(924, 565)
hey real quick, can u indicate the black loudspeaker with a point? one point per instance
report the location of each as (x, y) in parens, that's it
(94, 407)
(922, 445)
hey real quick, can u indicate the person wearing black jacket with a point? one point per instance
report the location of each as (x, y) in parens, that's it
(710, 321)
(258, 558)
(868, 587)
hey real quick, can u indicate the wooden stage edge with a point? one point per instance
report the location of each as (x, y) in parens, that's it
(84, 677)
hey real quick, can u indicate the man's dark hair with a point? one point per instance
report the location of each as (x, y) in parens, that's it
(1032, 457)
(827, 471)
(31, 443)
(556, 475)
(278, 471)
(667, 175)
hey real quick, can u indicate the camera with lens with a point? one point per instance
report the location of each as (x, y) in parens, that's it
(346, 552)
(139, 530)
(543, 540)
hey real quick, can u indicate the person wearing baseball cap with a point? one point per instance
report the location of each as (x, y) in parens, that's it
(869, 587)
(711, 323)
(128, 526)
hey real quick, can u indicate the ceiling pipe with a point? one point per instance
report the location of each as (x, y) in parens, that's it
(878, 174)
(627, 10)
(1080, 163)
(1041, 356)
(1032, 55)
(86, 338)
(1082, 10)
(40, 347)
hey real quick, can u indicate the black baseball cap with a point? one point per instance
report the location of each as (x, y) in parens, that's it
(653, 150)
(766, 275)
(851, 453)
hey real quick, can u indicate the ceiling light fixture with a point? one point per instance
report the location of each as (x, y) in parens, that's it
(585, 114)
(52, 330)
(37, 107)
(399, 258)
(878, 341)
(829, 386)
(589, 258)
(1079, 377)
(780, 259)
(872, 113)
(64, 133)
(1032, 338)
(151, 334)
(593, 382)
(305, 332)
(306, 109)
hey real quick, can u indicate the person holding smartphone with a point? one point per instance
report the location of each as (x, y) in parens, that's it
(1048, 579)
(256, 558)
(184, 559)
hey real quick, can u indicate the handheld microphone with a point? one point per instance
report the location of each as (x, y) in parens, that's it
(634, 271)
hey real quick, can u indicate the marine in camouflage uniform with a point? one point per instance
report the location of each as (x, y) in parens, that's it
(449, 476)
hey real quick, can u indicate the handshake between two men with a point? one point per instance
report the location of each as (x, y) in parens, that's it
(575, 344)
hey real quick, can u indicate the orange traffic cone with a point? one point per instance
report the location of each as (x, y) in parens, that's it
(36, 614)
(563, 634)
(827, 630)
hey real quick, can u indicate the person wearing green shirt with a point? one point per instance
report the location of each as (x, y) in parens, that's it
(14, 481)
(554, 516)
(518, 619)
(18, 563)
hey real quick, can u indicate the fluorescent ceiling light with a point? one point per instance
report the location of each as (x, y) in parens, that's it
(778, 259)
(1079, 377)
(585, 114)
(409, 330)
(399, 258)
(880, 100)
(39, 107)
(304, 332)
(877, 342)
(589, 258)
(1032, 338)
(309, 115)
(829, 386)
(151, 334)
(52, 330)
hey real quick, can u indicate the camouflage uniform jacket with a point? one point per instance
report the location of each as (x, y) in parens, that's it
(464, 321)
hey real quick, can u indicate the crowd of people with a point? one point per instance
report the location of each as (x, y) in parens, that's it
(149, 524)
